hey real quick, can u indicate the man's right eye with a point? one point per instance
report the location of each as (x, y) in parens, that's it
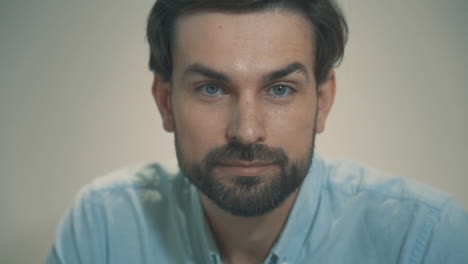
(209, 89)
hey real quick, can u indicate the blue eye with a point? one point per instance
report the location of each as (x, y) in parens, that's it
(280, 90)
(209, 89)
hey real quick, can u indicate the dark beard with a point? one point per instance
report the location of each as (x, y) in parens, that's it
(246, 196)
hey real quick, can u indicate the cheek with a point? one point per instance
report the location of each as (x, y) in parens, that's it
(198, 130)
(293, 130)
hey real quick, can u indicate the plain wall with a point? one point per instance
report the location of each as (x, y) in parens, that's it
(75, 102)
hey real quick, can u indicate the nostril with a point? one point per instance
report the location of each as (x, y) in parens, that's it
(246, 134)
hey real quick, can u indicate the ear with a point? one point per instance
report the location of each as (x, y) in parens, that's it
(326, 96)
(162, 95)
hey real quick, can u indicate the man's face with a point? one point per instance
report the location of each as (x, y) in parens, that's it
(243, 104)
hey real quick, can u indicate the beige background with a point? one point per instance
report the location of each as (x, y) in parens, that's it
(75, 102)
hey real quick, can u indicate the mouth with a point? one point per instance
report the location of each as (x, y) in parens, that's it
(246, 168)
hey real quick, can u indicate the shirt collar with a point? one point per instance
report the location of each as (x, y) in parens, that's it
(302, 216)
(205, 237)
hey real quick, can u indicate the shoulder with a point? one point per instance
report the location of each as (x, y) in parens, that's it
(422, 223)
(117, 217)
(125, 199)
(150, 181)
(354, 179)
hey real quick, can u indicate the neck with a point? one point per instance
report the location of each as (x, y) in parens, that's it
(246, 239)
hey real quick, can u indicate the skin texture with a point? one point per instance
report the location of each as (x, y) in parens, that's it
(245, 48)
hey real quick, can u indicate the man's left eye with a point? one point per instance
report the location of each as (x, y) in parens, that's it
(280, 90)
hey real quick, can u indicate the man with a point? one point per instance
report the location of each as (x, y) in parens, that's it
(245, 86)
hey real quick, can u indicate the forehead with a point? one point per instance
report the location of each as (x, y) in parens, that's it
(251, 43)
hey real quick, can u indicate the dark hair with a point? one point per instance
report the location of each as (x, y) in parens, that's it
(329, 27)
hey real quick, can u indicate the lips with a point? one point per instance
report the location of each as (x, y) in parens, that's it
(246, 168)
(240, 163)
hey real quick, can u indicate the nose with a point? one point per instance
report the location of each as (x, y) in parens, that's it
(247, 121)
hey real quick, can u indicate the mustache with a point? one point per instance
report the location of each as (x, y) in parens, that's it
(237, 151)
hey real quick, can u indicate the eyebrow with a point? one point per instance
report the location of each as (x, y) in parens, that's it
(197, 68)
(285, 71)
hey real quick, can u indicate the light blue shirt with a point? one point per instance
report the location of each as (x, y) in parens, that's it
(344, 213)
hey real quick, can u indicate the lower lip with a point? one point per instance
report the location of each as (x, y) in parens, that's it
(251, 171)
